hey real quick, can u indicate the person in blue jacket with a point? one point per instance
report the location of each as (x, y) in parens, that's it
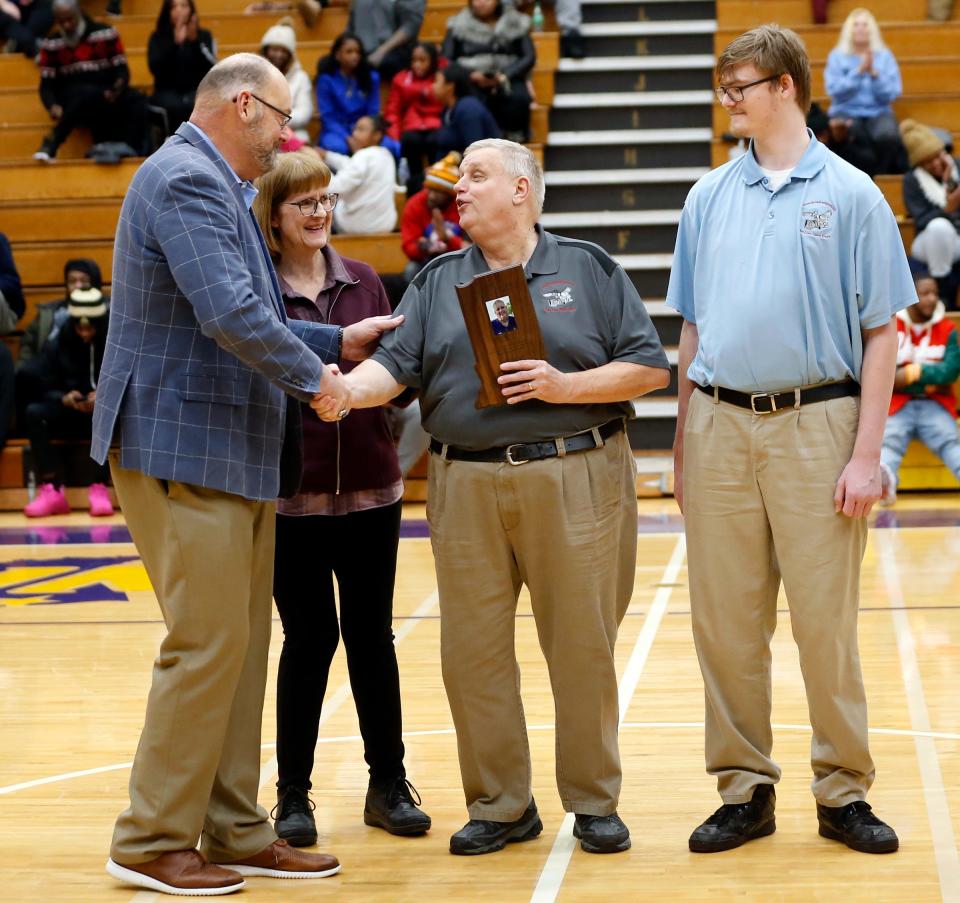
(862, 78)
(348, 87)
(465, 118)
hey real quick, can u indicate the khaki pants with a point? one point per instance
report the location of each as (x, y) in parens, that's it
(567, 528)
(758, 507)
(209, 556)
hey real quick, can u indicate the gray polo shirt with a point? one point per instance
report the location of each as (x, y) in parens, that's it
(589, 314)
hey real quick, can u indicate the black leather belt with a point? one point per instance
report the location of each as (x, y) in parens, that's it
(523, 452)
(771, 402)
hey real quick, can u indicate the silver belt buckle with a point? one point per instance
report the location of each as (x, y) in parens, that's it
(773, 402)
(508, 454)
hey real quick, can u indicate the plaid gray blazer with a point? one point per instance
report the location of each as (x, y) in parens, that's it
(199, 352)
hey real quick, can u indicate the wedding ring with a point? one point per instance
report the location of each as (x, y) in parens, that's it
(342, 413)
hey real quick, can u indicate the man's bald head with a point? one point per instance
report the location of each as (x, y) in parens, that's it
(241, 71)
(65, 5)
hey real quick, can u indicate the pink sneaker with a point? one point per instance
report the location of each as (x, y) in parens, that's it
(50, 500)
(100, 505)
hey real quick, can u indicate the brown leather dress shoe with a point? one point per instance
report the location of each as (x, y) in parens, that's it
(280, 860)
(181, 872)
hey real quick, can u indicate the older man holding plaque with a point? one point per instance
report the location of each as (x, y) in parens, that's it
(537, 489)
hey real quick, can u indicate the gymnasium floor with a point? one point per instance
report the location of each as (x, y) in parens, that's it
(79, 628)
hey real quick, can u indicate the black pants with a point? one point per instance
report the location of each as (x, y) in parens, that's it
(178, 107)
(48, 420)
(35, 21)
(360, 549)
(123, 120)
(419, 150)
(511, 109)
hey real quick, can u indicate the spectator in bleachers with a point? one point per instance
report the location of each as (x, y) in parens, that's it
(923, 405)
(388, 29)
(465, 118)
(344, 523)
(931, 194)
(85, 83)
(308, 9)
(347, 88)
(430, 222)
(365, 181)
(413, 112)
(863, 79)
(23, 23)
(492, 41)
(279, 45)
(12, 302)
(939, 10)
(12, 306)
(71, 363)
(844, 141)
(81, 274)
(179, 54)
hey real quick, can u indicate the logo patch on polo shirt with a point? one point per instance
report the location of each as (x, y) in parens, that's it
(559, 297)
(816, 219)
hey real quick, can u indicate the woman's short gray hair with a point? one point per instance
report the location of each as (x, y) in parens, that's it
(518, 161)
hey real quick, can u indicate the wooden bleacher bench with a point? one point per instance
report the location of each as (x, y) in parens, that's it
(745, 14)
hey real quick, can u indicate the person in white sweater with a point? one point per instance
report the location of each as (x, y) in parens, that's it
(366, 181)
(279, 45)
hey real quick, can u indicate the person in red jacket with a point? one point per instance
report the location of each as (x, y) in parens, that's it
(923, 404)
(430, 222)
(413, 112)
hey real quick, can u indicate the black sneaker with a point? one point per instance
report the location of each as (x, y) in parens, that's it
(392, 808)
(734, 824)
(113, 8)
(293, 817)
(573, 44)
(47, 151)
(601, 833)
(857, 827)
(478, 836)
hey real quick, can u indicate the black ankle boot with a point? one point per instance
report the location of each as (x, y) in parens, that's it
(293, 817)
(391, 807)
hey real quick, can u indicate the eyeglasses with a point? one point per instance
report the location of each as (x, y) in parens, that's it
(309, 206)
(284, 117)
(735, 92)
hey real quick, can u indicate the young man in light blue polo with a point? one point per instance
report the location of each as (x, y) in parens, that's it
(788, 272)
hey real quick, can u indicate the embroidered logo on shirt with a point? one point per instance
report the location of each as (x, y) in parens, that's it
(816, 218)
(559, 297)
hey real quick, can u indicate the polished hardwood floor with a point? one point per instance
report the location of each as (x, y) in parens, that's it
(79, 628)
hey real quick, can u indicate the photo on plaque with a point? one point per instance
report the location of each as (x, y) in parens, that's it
(502, 325)
(500, 311)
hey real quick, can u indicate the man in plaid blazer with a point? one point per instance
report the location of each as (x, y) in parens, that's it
(192, 412)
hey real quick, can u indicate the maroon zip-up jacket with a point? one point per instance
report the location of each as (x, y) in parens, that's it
(358, 451)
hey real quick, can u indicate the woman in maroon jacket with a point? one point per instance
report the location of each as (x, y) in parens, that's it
(345, 517)
(414, 112)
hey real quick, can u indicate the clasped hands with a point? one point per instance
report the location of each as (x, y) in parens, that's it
(360, 340)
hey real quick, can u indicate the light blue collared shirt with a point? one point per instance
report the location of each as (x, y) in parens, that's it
(780, 283)
(246, 186)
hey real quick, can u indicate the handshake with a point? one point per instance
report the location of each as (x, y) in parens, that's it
(334, 400)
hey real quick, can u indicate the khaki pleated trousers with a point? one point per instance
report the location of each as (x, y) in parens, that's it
(759, 509)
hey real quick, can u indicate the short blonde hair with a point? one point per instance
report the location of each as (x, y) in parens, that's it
(845, 42)
(293, 174)
(518, 161)
(774, 51)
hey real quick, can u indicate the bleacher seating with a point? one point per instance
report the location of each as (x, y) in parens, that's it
(69, 208)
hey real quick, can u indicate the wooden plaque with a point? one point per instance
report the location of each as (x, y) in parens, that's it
(502, 325)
